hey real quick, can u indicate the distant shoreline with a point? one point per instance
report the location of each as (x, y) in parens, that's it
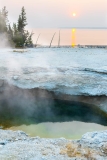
(75, 46)
(65, 46)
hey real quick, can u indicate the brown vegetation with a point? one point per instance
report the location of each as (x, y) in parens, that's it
(74, 150)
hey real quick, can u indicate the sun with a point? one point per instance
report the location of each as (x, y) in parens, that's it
(74, 14)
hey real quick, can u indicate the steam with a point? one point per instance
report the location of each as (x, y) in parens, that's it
(4, 41)
(27, 106)
(32, 102)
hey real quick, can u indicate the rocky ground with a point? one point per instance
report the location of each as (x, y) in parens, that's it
(16, 145)
(81, 72)
(69, 71)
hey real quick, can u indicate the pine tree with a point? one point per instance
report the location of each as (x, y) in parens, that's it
(29, 42)
(19, 24)
(23, 17)
(15, 30)
(22, 21)
(3, 20)
(22, 37)
(17, 33)
(10, 31)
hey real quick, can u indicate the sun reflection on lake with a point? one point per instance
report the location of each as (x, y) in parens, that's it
(73, 37)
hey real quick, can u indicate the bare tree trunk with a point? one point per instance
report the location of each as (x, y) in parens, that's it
(37, 40)
(52, 40)
(59, 39)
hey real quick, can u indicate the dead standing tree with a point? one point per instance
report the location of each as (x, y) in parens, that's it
(37, 40)
(52, 40)
(59, 39)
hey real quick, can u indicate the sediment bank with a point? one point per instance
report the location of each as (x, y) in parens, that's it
(18, 145)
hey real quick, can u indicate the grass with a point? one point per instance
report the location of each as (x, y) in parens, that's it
(74, 150)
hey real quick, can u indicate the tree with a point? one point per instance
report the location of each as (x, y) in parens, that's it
(3, 20)
(10, 31)
(10, 35)
(22, 37)
(29, 42)
(19, 24)
(23, 17)
(17, 34)
(19, 29)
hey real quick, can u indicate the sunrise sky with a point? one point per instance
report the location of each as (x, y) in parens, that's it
(59, 13)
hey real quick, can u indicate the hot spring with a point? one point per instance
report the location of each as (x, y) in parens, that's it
(41, 113)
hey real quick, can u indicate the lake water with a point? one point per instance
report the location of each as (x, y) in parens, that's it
(71, 36)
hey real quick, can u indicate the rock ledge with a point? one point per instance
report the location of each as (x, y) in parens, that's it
(17, 145)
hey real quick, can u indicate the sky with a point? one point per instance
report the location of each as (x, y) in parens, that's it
(59, 13)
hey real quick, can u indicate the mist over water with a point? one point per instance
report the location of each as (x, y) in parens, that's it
(50, 118)
(40, 113)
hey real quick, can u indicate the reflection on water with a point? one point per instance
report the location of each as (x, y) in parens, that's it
(69, 130)
(73, 37)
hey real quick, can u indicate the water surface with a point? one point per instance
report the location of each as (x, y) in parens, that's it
(70, 36)
(53, 119)
(69, 130)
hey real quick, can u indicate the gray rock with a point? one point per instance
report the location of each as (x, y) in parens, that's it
(19, 146)
(1, 83)
(15, 77)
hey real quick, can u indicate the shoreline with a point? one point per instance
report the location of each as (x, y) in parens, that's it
(17, 145)
(65, 46)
